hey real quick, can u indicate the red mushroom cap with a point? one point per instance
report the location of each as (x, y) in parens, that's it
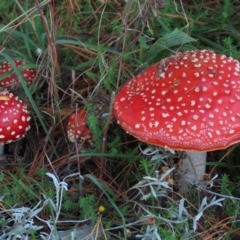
(28, 74)
(189, 101)
(14, 118)
(77, 129)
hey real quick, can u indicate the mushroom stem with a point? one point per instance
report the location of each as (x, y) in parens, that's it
(193, 168)
(1, 148)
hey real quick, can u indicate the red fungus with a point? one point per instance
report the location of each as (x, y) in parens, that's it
(28, 74)
(188, 101)
(77, 129)
(14, 118)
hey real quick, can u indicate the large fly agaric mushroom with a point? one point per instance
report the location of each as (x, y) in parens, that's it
(77, 129)
(189, 101)
(14, 119)
(28, 74)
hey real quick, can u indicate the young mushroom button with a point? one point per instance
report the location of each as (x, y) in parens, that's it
(77, 129)
(189, 101)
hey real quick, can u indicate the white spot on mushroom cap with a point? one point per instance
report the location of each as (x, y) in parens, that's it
(137, 125)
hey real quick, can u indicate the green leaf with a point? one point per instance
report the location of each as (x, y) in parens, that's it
(175, 38)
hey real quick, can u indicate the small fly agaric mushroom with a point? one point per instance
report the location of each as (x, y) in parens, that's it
(77, 129)
(14, 119)
(28, 74)
(189, 101)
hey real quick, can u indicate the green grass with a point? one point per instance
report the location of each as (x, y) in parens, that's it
(84, 51)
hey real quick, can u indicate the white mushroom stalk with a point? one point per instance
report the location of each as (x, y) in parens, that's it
(193, 168)
(1, 149)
